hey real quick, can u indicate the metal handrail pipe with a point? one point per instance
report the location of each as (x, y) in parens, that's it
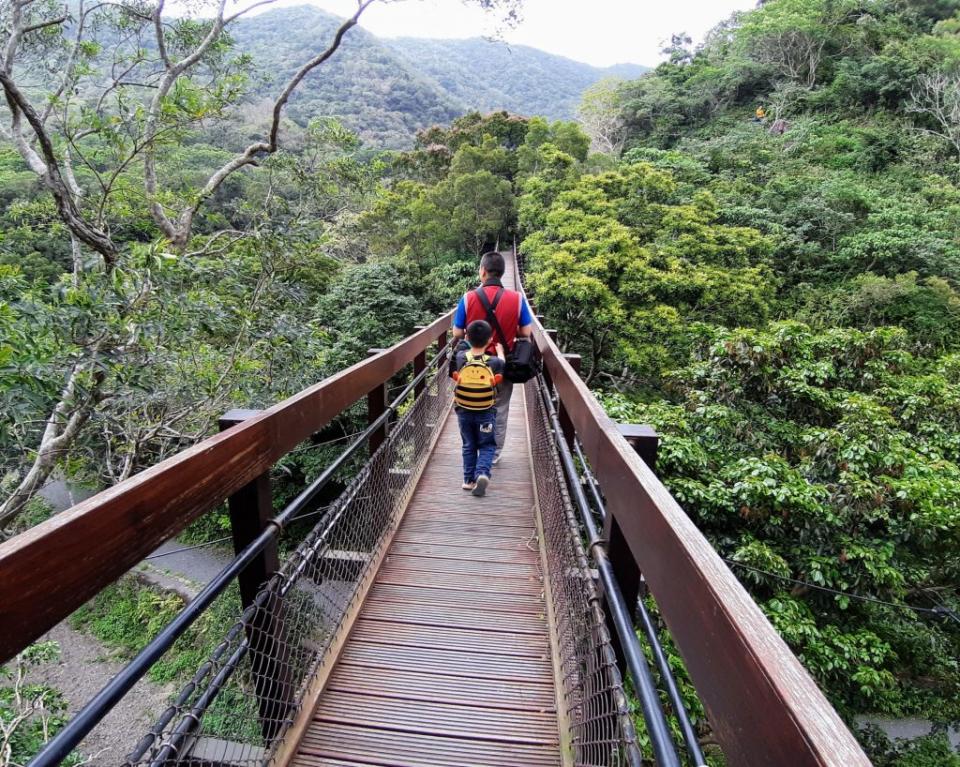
(664, 749)
(60, 746)
(690, 739)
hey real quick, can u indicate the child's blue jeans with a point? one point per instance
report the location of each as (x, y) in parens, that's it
(478, 431)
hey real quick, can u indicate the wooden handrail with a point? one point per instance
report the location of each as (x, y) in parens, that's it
(763, 706)
(50, 570)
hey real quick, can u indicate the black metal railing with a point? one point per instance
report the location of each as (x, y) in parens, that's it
(295, 617)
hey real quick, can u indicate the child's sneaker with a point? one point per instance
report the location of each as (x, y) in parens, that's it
(468, 485)
(481, 485)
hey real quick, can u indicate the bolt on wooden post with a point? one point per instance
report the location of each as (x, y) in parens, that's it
(251, 509)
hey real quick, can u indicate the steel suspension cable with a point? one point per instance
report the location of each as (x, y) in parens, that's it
(664, 749)
(649, 629)
(60, 746)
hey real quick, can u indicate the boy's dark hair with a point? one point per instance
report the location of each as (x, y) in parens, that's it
(478, 333)
(493, 263)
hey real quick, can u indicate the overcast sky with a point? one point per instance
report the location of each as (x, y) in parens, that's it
(599, 32)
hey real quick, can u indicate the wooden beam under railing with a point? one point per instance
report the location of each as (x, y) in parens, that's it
(763, 706)
(52, 569)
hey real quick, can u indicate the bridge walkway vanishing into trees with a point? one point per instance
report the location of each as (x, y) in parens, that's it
(410, 624)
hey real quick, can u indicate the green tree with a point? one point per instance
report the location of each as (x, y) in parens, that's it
(481, 207)
(628, 268)
(118, 157)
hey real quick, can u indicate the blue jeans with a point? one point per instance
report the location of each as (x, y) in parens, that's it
(478, 432)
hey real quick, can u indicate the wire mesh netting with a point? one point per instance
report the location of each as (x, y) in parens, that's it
(596, 707)
(241, 701)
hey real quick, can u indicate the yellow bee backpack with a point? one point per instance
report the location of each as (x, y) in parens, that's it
(476, 387)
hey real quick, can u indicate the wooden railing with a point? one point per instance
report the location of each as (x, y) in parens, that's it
(49, 571)
(763, 706)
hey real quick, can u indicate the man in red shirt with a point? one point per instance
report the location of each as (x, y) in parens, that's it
(513, 316)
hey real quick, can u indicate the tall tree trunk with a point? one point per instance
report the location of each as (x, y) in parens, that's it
(68, 416)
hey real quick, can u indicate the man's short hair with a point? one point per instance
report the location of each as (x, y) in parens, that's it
(478, 333)
(493, 263)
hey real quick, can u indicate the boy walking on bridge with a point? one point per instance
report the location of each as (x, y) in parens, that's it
(508, 315)
(475, 397)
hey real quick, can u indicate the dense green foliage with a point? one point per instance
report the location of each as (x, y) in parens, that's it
(779, 297)
(934, 750)
(830, 457)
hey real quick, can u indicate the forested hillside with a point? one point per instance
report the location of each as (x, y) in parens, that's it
(777, 294)
(386, 90)
(489, 75)
(375, 92)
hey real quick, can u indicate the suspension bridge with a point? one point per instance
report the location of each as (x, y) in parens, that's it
(414, 625)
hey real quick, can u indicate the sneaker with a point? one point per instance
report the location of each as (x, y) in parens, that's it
(496, 459)
(481, 485)
(468, 485)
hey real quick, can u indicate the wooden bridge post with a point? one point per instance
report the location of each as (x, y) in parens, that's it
(251, 509)
(552, 335)
(569, 432)
(376, 407)
(644, 441)
(419, 365)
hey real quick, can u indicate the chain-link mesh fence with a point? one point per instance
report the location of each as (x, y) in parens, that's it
(242, 700)
(596, 707)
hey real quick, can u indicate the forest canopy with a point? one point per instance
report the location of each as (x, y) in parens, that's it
(753, 247)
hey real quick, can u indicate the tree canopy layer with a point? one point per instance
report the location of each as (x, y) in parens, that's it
(764, 265)
(759, 256)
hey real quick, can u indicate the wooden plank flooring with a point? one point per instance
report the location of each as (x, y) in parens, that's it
(449, 662)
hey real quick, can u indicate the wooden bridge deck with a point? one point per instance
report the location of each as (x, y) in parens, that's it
(449, 662)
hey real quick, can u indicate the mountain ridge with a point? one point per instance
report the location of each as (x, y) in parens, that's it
(386, 89)
(484, 68)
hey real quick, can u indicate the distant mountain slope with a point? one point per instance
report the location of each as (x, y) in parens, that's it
(369, 86)
(493, 75)
(386, 90)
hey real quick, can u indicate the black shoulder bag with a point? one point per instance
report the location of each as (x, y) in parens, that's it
(522, 361)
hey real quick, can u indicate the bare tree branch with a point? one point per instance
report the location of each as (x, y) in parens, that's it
(161, 36)
(44, 24)
(52, 176)
(937, 96)
(179, 233)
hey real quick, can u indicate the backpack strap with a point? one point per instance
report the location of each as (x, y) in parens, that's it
(491, 313)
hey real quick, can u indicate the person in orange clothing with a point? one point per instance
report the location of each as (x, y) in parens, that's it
(475, 398)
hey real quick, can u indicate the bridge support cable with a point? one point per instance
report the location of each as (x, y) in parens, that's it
(661, 741)
(690, 739)
(312, 593)
(764, 707)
